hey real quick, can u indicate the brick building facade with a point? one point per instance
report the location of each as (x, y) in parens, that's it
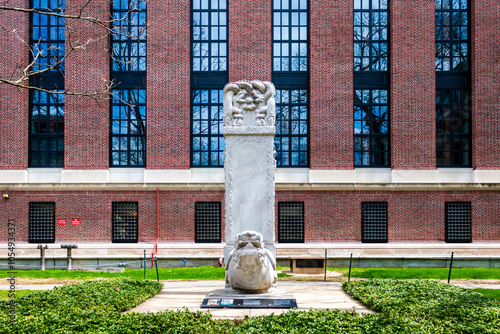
(406, 174)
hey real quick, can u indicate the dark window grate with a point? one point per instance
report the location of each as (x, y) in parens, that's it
(125, 222)
(374, 221)
(458, 222)
(207, 222)
(42, 222)
(291, 222)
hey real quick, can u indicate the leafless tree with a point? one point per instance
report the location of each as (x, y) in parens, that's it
(49, 57)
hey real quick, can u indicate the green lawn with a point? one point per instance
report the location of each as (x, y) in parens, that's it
(424, 273)
(19, 293)
(490, 293)
(217, 273)
(195, 273)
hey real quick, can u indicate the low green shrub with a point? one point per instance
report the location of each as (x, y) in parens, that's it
(411, 307)
(83, 307)
(423, 306)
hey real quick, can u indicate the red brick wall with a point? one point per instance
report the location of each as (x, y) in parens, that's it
(13, 101)
(335, 216)
(485, 67)
(330, 216)
(168, 82)
(413, 87)
(86, 139)
(249, 40)
(331, 79)
(94, 208)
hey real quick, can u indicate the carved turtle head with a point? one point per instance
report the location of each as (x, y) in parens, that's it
(250, 239)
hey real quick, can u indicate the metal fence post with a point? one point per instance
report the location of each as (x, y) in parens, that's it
(350, 265)
(326, 260)
(144, 264)
(451, 265)
(156, 265)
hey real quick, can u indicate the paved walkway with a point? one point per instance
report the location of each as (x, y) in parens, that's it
(317, 295)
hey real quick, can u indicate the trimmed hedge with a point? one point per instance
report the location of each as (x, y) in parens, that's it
(83, 307)
(413, 306)
(423, 306)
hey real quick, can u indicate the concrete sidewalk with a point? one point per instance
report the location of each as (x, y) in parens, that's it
(317, 295)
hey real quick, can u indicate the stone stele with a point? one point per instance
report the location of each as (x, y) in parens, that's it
(249, 116)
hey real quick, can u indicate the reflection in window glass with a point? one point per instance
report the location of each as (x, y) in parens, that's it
(371, 128)
(129, 35)
(452, 35)
(209, 33)
(453, 139)
(207, 144)
(290, 36)
(128, 128)
(47, 35)
(291, 139)
(46, 129)
(370, 35)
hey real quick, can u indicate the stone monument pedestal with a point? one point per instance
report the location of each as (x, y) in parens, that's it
(249, 167)
(276, 298)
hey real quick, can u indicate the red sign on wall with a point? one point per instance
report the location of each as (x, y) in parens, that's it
(62, 221)
(75, 221)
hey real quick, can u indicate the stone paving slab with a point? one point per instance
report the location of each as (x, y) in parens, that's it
(317, 295)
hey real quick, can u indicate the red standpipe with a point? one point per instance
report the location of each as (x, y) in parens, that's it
(157, 228)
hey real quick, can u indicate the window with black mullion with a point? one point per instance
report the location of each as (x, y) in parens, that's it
(128, 70)
(46, 116)
(371, 85)
(371, 128)
(48, 35)
(129, 36)
(453, 102)
(291, 78)
(371, 35)
(209, 74)
(128, 128)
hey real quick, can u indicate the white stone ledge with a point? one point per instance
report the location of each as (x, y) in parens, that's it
(414, 176)
(286, 178)
(167, 176)
(190, 250)
(486, 176)
(84, 176)
(126, 175)
(332, 176)
(292, 175)
(44, 175)
(13, 176)
(207, 175)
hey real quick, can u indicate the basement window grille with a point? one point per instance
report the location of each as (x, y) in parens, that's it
(374, 222)
(291, 222)
(42, 222)
(458, 222)
(207, 222)
(125, 222)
